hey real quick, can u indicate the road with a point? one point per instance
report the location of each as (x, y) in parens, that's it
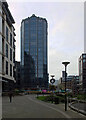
(29, 107)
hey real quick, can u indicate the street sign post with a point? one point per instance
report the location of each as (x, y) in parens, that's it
(52, 81)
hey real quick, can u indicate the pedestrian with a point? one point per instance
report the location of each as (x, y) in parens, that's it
(10, 96)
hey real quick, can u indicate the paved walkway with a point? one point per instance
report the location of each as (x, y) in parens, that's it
(29, 107)
(80, 106)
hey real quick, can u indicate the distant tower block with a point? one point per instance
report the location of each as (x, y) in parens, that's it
(34, 53)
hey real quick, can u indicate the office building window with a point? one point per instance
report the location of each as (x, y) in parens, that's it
(10, 39)
(10, 54)
(6, 33)
(84, 56)
(6, 50)
(13, 71)
(13, 57)
(13, 42)
(84, 61)
(6, 67)
(10, 70)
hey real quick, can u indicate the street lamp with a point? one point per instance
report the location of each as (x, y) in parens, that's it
(65, 64)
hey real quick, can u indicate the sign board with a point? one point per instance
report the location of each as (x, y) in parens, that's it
(52, 80)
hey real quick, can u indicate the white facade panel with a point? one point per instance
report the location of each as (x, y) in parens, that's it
(0, 19)
(0, 24)
(0, 44)
(0, 64)
(0, 41)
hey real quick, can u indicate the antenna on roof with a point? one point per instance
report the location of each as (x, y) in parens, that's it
(33, 14)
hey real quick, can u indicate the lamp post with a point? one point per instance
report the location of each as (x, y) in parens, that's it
(65, 64)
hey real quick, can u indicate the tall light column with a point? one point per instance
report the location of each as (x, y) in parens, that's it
(65, 64)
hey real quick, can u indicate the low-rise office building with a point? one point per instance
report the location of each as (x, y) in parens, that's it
(72, 83)
(82, 72)
(75, 85)
(7, 47)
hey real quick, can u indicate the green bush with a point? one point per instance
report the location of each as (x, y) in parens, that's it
(43, 98)
(70, 94)
(49, 98)
(81, 97)
(55, 99)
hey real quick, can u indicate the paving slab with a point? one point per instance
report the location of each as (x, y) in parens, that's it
(29, 107)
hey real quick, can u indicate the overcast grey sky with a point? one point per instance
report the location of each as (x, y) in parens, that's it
(65, 31)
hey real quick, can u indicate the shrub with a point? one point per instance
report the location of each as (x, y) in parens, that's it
(51, 98)
(56, 100)
(81, 97)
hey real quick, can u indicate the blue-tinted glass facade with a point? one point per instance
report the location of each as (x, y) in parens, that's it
(34, 52)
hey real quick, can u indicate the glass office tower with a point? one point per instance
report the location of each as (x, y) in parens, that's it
(34, 52)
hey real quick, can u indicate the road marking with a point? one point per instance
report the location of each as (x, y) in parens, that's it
(67, 116)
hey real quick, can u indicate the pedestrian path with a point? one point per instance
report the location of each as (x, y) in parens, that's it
(80, 106)
(29, 107)
(61, 107)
